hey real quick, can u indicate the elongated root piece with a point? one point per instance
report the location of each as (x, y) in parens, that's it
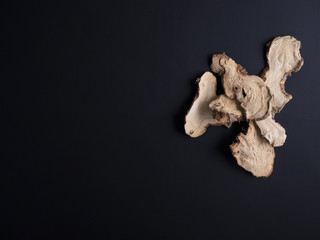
(248, 98)
(283, 58)
(200, 115)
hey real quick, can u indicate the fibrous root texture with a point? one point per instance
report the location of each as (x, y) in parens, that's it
(249, 98)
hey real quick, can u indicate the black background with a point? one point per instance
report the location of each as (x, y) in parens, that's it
(94, 95)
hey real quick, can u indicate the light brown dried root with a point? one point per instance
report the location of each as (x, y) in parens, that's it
(248, 98)
(200, 115)
(272, 131)
(249, 90)
(283, 58)
(253, 152)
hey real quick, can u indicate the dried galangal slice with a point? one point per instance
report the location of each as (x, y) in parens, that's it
(232, 75)
(283, 58)
(272, 131)
(253, 152)
(200, 116)
(257, 101)
(249, 90)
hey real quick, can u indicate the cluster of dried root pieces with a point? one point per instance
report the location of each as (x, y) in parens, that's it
(248, 98)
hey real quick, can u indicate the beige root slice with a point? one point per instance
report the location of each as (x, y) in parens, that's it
(253, 152)
(257, 102)
(272, 131)
(227, 110)
(231, 72)
(283, 58)
(249, 90)
(200, 115)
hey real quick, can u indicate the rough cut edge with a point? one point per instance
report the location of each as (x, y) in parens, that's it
(253, 152)
(283, 58)
(200, 116)
(272, 131)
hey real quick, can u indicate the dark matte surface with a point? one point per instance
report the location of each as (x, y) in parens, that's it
(94, 96)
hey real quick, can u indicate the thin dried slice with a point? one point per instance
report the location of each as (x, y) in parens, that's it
(272, 131)
(283, 58)
(232, 74)
(257, 100)
(249, 90)
(253, 152)
(200, 116)
(227, 109)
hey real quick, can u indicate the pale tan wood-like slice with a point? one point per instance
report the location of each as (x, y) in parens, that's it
(249, 90)
(200, 116)
(253, 152)
(232, 75)
(272, 131)
(283, 58)
(257, 100)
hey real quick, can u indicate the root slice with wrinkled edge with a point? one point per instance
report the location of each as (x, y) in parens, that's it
(231, 74)
(249, 90)
(253, 152)
(200, 116)
(283, 58)
(257, 102)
